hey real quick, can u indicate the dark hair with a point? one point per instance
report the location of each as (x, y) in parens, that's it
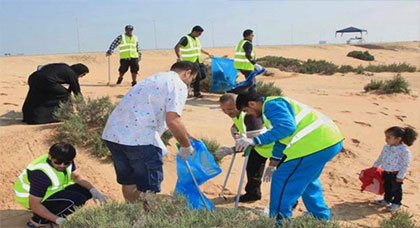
(247, 32)
(243, 99)
(197, 28)
(407, 134)
(227, 98)
(62, 152)
(184, 65)
(79, 68)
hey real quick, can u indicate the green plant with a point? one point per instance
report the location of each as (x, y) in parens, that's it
(166, 136)
(346, 69)
(374, 85)
(212, 146)
(397, 68)
(400, 219)
(396, 85)
(206, 83)
(361, 55)
(268, 73)
(318, 66)
(268, 89)
(308, 221)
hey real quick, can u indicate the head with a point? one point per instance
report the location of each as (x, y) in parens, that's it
(129, 30)
(197, 31)
(187, 71)
(251, 103)
(80, 69)
(228, 106)
(248, 34)
(395, 135)
(61, 155)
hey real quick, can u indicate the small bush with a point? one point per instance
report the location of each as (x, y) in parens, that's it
(318, 67)
(308, 221)
(374, 85)
(397, 68)
(346, 69)
(268, 73)
(401, 219)
(361, 55)
(166, 136)
(212, 145)
(205, 84)
(281, 63)
(396, 85)
(268, 89)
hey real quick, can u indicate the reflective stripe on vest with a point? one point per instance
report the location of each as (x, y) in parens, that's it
(59, 180)
(314, 131)
(265, 150)
(192, 51)
(241, 62)
(128, 47)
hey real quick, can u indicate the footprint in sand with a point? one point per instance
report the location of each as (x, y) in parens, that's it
(371, 113)
(346, 111)
(376, 104)
(363, 123)
(383, 113)
(356, 141)
(7, 103)
(401, 117)
(3, 94)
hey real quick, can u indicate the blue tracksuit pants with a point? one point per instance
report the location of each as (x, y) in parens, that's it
(300, 177)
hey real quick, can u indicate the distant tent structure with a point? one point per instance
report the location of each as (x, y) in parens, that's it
(352, 30)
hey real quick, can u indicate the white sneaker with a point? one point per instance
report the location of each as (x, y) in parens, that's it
(393, 207)
(381, 202)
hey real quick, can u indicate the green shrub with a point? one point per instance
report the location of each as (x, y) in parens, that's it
(281, 63)
(396, 85)
(346, 69)
(268, 73)
(374, 85)
(268, 89)
(166, 136)
(308, 221)
(401, 219)
(361, 55)
(212, 145)
(318, 67)
(206, 83)
(397, 68)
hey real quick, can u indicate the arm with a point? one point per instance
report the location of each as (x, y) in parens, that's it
(177, 128)
(405, 163)
(205, 52)
(113, 45)
(181, 43)
(378, 161)
(73, 81)
(79, 179)
(138, 50)
(39, 209)
(248, 51)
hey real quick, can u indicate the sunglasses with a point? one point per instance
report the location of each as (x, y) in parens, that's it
(61, 162)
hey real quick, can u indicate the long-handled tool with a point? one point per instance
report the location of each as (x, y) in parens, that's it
(109, 70)
(227, 176)
(241, 182)
(196, 185)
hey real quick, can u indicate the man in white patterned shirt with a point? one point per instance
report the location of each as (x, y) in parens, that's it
(132, 132)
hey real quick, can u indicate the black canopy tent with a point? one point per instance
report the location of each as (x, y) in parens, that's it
(351, 30)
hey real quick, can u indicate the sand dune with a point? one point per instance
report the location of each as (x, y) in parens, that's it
(361, 117)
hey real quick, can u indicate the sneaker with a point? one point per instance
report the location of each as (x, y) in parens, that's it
(33, 225)
(198, 95)
(119, 80)
(249, 198)
(133, 83)
(393, 207)
(381, 202)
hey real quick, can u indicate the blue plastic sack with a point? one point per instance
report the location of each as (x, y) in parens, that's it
(223, 74)
(242, 87)
(204, 167)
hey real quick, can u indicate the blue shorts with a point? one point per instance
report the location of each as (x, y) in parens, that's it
(139, 165)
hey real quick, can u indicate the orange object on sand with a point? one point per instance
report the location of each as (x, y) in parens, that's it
(372, 180)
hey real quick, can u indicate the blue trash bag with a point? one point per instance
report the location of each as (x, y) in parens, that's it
(223, 74)
(242, 87)
(203, 167)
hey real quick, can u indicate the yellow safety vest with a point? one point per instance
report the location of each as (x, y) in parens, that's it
(192, 51)
(263, 150)
(128, 47)
(314, 131)
(59, 180)
(240, 61)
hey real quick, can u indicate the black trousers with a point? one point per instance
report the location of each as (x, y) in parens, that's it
(253, 87)
(254, 172)
(64, 202)
(201, 75)
(393, 189)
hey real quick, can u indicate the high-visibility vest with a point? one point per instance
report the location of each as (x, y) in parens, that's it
(59, 180)
(314, 131)
(192, 51)
(128, 47)
(240, 61)
(263, 150)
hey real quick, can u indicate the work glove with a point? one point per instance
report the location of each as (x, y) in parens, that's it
(224, 151)
(60, 220)
(258, 67)
(184, 152)
(242, 143)
(97, 196)
(235, 133)
(269, 173)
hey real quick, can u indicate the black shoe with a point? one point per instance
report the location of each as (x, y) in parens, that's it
(119, 80)
(133, 83)
(199, 95)
(249, 198)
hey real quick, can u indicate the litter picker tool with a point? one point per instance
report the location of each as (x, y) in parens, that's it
(241, 182)
(222, 193)
(196, 185)
(109, 70)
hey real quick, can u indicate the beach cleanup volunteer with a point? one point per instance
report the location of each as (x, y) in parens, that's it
(249, 125)
(189, 49)
(52, 188)
(308, 140)
(130, 54)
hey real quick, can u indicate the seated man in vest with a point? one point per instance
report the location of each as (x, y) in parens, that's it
(305, 140)
(251, 126)
(130, 54)
(52, 188)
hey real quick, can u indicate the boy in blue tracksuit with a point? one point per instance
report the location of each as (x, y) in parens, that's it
(304, 139)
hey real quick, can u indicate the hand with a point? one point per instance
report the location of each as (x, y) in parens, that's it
(60, 220)
(97, 196)
(234, 132)
(184, 152)
(224, 151)
(258, 67)
(242, 143)
(400, 180)
(108, 54)
(193, 137)
(269, 173)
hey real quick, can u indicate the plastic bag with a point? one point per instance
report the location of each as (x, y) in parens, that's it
(244, 86)
(223, 75)
(203, 167)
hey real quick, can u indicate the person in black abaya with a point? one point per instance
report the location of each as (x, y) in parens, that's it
(46, 90)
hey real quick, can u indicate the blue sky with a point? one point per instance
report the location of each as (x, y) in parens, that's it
(50, 26)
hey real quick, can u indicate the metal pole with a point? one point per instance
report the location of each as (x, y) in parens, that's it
(78, 36)
(109, 70)
(196, 185)
(228, 173)
(241, 182)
